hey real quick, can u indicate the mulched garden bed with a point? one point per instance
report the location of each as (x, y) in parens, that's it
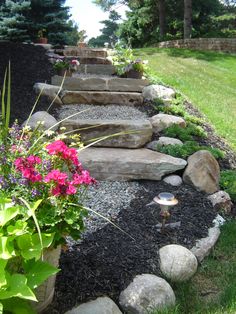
(29, 65)
(106, 261)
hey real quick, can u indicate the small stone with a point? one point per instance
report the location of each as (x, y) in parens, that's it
(221, 201)
(145, 293)
(47, 121)
(159, 92)
(163, 141)
(173, 180)
(152, 145)
(102, 305)
(162, 121)
(203, 172)
(177, 263)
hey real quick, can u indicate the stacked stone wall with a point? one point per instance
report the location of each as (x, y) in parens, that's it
(214, 44)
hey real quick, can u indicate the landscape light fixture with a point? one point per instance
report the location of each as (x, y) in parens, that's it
(165, 200)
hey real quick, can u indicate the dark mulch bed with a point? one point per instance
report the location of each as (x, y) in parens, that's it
(29, 65)
(107, 261)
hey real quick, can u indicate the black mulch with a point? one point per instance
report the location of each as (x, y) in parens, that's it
(107, 261)
(29, 65)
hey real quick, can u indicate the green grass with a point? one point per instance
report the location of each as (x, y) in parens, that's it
(207, 79)
(213, 289)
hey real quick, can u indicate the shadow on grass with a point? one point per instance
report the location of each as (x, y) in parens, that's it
(186, 53)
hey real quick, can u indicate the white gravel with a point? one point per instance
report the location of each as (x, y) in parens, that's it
(107, 198)
(109, 112)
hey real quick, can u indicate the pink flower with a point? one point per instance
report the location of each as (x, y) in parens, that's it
(56, 147)
(71, 154)
(56, 176)
(83, 178)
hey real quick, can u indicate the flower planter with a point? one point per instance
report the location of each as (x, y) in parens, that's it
(82, 45)
(42, 40)
(63, 71)
(134, 74)
(45, 292)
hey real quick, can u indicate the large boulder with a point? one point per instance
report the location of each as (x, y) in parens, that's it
(159, 92)
(203, 172)
(49, 91)
(120, 164)
(177, 263)
(145, 293)
(161, 121)
(42, 120)
(102, 305)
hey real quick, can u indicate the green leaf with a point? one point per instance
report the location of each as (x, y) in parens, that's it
(30, 245)
(3, 280)
(6, 248)
(18, 306)
(1, 308)
(18, 228)
(38, 272)
(18, 287)
(8, 213)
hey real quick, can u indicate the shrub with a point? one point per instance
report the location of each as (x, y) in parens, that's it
(187, 149)
(228, 182)
(185, 134)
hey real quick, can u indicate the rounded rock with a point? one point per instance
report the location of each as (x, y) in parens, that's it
(173, 180)
(177, 263)
(145, 293)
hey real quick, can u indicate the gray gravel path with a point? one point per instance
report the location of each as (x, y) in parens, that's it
(110, 112)
(107, 198)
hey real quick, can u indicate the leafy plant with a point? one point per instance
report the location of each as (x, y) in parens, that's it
(61, 65)
(185, 134)
(187, 149)
(228, 182)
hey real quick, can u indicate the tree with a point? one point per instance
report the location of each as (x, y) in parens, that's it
(13, 20)
(187, 19)
(108, 31)
(162, 18)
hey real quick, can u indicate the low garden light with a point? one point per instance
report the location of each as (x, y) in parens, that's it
(165, 200)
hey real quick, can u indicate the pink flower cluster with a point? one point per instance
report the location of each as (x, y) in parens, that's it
(59, 148)
(27, 167)
(61, 185)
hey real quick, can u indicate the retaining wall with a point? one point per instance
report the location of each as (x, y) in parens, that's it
(215, 44)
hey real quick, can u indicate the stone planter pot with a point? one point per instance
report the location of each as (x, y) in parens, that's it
(42, 40)
(62, 72)
(134, 74)
(45, 292)
(82, 45)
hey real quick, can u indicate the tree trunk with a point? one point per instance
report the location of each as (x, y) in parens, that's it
(187, 19)
(162, 18)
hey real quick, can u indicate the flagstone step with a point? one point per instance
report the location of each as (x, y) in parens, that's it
(102, 69)
(120, 164)
(101, 98)
(82, 52)
(93, 60)
(135, 134)
(100, 84)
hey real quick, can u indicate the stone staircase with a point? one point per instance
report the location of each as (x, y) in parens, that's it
(121, 154)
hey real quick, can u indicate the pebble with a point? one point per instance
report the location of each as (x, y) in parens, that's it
(109, 112)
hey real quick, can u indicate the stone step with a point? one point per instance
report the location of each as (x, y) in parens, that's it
(82, 52)
(93, 60)
(120, 164)
(102, 69)
(100, 84)
(135, 134)
(101, 98)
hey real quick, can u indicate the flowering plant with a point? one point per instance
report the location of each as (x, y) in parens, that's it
(42, 188)
(138, 65)
(61, 64)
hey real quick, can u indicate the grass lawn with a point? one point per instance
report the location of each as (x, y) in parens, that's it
(208, 79)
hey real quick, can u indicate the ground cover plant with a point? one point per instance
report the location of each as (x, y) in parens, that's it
(207, 79)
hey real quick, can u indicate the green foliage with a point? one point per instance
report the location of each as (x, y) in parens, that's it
(187, 149)
(122, 58)
(185, 134)
(108, 32)
(61, 65)
(228, 182)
